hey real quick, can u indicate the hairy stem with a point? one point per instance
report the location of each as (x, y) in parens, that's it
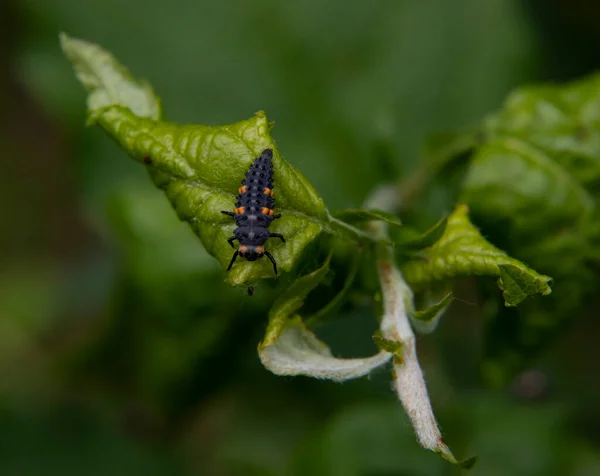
(395, 326)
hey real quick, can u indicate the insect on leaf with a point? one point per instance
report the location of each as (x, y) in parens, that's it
(199, 167)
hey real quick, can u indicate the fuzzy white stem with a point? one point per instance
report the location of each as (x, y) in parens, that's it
(395, 326)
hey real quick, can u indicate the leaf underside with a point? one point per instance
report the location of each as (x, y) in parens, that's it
(289, 348)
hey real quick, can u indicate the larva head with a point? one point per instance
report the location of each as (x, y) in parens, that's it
(252, 252)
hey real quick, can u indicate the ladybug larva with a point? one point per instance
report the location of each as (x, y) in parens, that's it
(254, 212)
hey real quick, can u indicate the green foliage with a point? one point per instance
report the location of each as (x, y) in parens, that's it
(354, 88)
(198, 167)
(532, 179)
(545, 143)
(108, 83)
(388, 345)
(288, 302)
(432, 312)
(410, 242)
(462, 250)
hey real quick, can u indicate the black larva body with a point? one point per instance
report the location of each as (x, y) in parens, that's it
(254, 211)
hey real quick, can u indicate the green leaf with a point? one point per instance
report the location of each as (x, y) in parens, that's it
(559, 120)
(427, 239)
(388, 345)
(360, 216)
(200, 167)
(289, 348)
(429, 314)
(513, 180)
(516, 284)
(426, 320)
(292, 299)
(107, 81)
(463, 251)
(533, 183)
(332, 306)
(536, 176)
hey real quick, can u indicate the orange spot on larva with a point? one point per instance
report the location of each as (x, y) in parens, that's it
(265, 211)
(271, 212)
(267, 191)
(242, 189)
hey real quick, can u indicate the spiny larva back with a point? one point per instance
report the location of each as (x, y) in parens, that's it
(254, 211)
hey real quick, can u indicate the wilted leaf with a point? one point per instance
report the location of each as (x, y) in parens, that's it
(463, 251)
(299, 352)
(289, 348)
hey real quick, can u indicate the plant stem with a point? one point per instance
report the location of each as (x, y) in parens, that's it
(395, 326)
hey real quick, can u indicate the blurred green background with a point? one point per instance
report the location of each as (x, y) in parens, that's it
(122, 352)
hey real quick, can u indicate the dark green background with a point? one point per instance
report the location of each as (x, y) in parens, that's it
(121, 350)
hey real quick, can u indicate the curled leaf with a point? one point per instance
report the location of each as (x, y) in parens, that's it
(288, 302)
(289, 348)
(516, 284)
(388, 345)
(427, 239)
(426, 320)
(463, 251)
(200, 167)
(297, 351)
(534, 181)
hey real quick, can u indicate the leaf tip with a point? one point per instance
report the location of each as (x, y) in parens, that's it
(63, 38)
(445, 453)
(69, 44)
(66, 43)
(388, 345)
(468, 463)
(518, 284)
